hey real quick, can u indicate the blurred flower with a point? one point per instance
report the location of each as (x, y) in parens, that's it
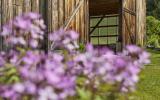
(64, 39)
(52, 75)
(23, 26)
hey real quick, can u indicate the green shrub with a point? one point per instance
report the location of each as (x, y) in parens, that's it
(153, 32)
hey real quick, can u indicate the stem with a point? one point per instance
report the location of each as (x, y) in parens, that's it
(93, 90)
(114, 93)
(93, 94)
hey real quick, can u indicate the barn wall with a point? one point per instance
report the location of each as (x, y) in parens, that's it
(12, 8)
(0, 22)
(129, 22)
(55, 12)
(6, 14)
(141, 22)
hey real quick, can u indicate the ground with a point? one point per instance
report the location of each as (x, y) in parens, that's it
(149, 85)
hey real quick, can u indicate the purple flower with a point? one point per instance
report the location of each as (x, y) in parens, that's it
(54, 75)
(18, 87)
(133, 49)
(33, 43)
(7, 30)
(144, 58)
(64, 39)
(73, 35)
(22, 26)
(22, 22)
(33, 16)
(47, 94)
(120, 62)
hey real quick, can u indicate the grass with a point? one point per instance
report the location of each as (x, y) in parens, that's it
(149, 85)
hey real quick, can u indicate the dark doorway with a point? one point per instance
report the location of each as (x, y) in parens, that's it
(104, 23)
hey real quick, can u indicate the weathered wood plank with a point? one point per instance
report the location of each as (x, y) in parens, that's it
(129, 20)
(7, 15)
(35, 6)
(1, 40)
(17, 7)
(77, 18)
(27, 5)
(60, 13)
(87, 21)
(0, 15)
(141, 21)
(49, 15)
(7, 10)
(54, 20)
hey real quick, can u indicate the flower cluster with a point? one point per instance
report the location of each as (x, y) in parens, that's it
(107, 67)
(43, 78)
(64, 39)
(24, 30)
(9, 57)
(54, 75)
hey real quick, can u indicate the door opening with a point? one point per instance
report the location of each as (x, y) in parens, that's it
(104, 31)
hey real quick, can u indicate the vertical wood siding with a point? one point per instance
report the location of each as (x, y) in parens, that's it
(141, 21)
(6, 15)
(134, 22)
(1, 23)
(55, 12)
(129, 22)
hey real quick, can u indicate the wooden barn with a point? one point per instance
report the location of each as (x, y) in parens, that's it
(112, 23)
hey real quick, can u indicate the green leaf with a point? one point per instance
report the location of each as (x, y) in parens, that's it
(84, 94)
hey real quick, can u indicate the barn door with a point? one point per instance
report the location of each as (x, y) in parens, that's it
(104, 31)
(129, 22)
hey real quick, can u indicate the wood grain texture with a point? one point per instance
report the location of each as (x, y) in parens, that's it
(0, 15)
(141, 21)
(27, 6)
(35, 4)
(129, 22)
(1, 39)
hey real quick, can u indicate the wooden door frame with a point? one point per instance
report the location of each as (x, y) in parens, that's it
(132, 13)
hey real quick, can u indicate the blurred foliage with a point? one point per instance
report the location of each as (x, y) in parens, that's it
(81, 47)
(153, 32)
(10, 74)
(153, 8)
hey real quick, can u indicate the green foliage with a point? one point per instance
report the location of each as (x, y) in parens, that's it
(10, 74)
(153, 8)
(153, 32)
(84, 94)
(87, 95)
(81, 47)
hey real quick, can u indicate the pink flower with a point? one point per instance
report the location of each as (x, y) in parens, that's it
(133, 49)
